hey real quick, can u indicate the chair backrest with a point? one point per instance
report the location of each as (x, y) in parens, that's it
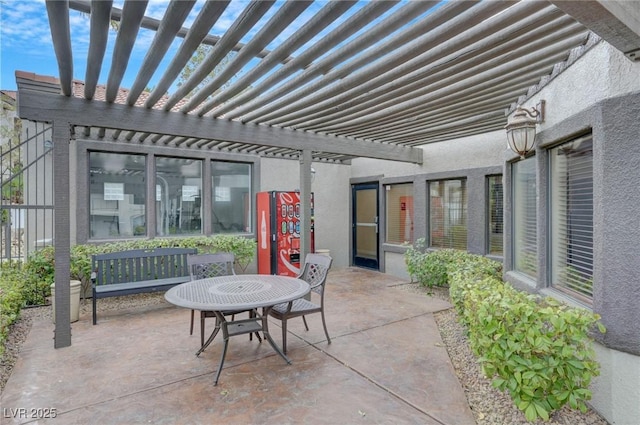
(316, 267)
(202, 266)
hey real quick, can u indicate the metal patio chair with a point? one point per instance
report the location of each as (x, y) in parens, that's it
(316, 267)
(203, 266)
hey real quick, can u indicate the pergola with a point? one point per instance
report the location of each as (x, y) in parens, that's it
(353, 79)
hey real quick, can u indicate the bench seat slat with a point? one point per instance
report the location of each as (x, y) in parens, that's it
(117, 289)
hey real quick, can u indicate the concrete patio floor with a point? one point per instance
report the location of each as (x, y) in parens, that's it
(386, 365)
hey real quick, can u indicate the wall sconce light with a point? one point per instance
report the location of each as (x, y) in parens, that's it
(313, 174)
(521, 128)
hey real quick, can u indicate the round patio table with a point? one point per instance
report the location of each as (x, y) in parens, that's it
(237, 293)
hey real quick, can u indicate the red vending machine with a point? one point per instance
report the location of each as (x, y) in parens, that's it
(279, 232)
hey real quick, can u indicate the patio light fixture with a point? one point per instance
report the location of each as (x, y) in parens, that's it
(521, 128)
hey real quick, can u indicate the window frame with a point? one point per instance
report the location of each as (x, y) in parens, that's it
(80, 198)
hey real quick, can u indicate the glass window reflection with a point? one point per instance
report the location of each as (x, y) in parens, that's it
(117, 195)
(178, 196)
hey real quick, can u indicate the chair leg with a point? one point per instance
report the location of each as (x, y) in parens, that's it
(284, 335)
(211, 338)
(202, 317)
(224, 353)
(324, 325)
(254, 314)
(305, 323)
(191, 327)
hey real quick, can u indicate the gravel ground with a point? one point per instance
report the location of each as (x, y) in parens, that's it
(489, 406)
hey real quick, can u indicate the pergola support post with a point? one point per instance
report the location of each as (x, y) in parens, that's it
(62, 232)
(305, 203)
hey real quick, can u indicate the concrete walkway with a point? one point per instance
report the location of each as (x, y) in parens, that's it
(386, 365)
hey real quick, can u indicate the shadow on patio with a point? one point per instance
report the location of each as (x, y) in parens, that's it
(386, 364)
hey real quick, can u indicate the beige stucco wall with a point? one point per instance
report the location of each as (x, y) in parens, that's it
(468, 152)
(603, 72)
(331, 193)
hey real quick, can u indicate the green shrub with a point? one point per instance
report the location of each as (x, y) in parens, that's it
(39, 269)
(427, 268)
(432, 268)
(12, 279)
(537, 349)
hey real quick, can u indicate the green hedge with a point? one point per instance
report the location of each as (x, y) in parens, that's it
(433, 268)
(12, 281)
(40, 264)
(537, 349)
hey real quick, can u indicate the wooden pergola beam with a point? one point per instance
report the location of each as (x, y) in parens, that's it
(49, 107)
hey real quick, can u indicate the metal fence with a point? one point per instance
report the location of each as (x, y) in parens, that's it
(26, 204)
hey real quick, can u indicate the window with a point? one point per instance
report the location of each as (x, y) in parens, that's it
(178, 196)
(524, 217)
(495, 222)
(117, 194)
(399, 209)
(232, 200)
(571, 191)
(448, 214)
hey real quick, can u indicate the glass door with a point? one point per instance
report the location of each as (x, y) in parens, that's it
(365, 225)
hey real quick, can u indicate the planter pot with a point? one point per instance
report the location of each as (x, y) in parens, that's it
(74, 294)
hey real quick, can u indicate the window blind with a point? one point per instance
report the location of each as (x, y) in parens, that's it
(448, 214)
(495, 222)
(525, 242)
(571, 192)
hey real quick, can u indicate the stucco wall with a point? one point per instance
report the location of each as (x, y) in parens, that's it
(464, 153)
(601, 73)
(582, 99)
(331, 193)
(601, 93)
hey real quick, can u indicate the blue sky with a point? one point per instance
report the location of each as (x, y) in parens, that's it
(25, 38)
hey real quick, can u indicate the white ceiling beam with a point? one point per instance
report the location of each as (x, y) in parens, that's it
(617, 22)
(515, 73)
(276, 24)
(478, 22)
(468, 87)
(407, 42)
(497, 49)
(261, 95)
(84, 6)
(326, 16)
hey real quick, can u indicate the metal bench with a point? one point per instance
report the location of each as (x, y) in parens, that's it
(138, 271)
